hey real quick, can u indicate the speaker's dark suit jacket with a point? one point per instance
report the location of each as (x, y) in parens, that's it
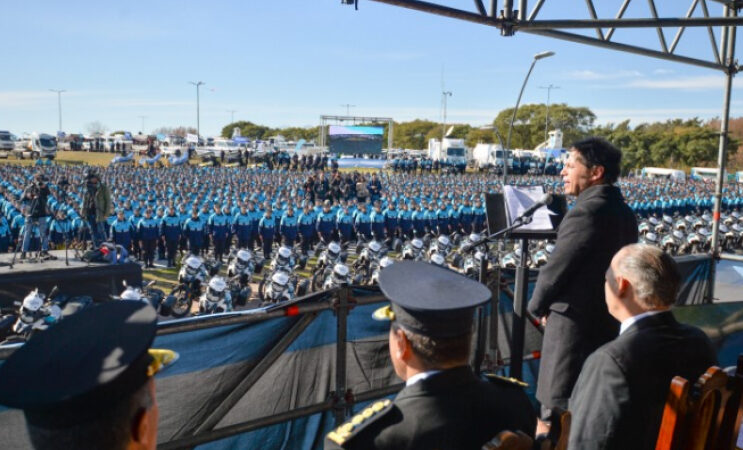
(570, 288)
(619, 397)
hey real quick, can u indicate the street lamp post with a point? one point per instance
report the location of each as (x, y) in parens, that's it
(444, 96)
(59, 104)
(198, 125)
(537, 57)
(232, 115)
(141, 130)
(348, 107)
(547, 115)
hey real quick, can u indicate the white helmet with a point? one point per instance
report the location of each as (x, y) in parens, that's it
(474, 237)
(33, 301)
(284, 255)
(216, 289)
(386, 261)
(334, 250)
(443, 244)
(131, 293)
(279, 282)
(375, 246)
(244, 256)
(340, 273)
(437, 259)
(193, 265)
(417, 244)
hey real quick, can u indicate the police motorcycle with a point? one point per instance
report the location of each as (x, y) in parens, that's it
(146, 294)
(671, 242)
(37, 313)
(383, 263)
(216, 298)
(414, 250)
(191, 277)
(540, 257)
(281, 281)
(338, 275)
(468, 243)
(331, 256)
(242, 265)
(370, 255)
(442, 245)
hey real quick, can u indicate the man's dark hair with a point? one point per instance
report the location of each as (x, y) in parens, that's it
(436, 353)
(596, 151)
(111, 430)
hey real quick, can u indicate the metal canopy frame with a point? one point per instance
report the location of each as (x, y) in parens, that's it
(512, 18)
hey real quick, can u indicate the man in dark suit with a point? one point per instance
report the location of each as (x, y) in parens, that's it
(444, 405)
(570, 286)
(618, 400)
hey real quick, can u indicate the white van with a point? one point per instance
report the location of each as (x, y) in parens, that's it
(659, 172)
(36, 145)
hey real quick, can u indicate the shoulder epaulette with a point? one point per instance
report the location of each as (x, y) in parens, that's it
(506, 380)
(358, 422)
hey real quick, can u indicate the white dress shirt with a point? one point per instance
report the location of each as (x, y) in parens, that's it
(626, 323)
(420, 376)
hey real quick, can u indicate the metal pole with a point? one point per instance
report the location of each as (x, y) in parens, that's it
(444, 95)
(142, 129)
(730, 70)
(518, 321)
(340, 357)
(513, 118)
(198, 124)
(547, 116)
(59, 104)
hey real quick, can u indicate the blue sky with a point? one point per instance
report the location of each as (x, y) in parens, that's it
(285, 63)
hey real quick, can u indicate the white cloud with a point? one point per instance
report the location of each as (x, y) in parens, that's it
(643, 115)
(591, 75)
(704, 82)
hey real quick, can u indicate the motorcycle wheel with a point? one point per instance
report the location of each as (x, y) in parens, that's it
(302, 288)
(262, 290)
(316, 282)
(182, 305)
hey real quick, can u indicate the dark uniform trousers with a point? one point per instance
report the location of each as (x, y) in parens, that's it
(452, 409)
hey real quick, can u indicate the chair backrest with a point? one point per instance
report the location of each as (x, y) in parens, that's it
(705, 416)
(507, 440)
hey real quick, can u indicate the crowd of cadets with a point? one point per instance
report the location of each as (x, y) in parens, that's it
(165, 212)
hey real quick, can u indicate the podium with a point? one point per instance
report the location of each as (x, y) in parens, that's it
(505, 222)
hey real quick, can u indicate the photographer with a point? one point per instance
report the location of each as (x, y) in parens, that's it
(96, 207)
(35, 201)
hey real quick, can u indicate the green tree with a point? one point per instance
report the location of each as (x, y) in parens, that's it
(528, 127)
(414, 134)
(248, 129)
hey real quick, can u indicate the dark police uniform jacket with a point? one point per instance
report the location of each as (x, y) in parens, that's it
(452, 409)
(570, 288)
(619, 397)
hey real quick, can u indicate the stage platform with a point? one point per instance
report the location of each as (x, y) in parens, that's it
(98, 280)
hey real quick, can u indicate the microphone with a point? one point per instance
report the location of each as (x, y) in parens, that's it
(546, 200)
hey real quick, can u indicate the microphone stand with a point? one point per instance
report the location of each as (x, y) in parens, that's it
(518, 320)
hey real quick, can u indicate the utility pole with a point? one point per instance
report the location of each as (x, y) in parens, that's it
(547, 116)
(142, 129)
(59, 104)
(198, 125)
(348, 108)
(232, 115)
(444, 96)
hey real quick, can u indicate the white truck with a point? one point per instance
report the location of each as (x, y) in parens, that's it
(36, 145)
(486, 156)
(7, 143)
(452, 150)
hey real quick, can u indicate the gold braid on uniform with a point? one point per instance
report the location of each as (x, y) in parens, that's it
(358, 422)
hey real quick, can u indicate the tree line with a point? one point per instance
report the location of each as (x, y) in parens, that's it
(673, 143)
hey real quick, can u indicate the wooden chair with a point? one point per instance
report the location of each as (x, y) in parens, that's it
(705, 416)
